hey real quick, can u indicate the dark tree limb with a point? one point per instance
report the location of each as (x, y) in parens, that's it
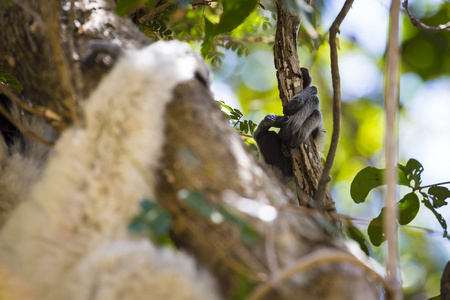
(305, 160)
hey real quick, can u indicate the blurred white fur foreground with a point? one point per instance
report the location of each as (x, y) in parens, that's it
(69, 240)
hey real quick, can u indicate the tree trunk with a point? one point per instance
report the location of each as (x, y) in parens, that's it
(202, 155)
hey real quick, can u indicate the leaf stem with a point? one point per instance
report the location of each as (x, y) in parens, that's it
(427, 186)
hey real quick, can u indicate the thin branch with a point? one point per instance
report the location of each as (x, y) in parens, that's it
(38, 111)
(226, 38)
(334, 29)
(154, 12)
(202, 2)
(427, 186)
(245, 135)
(349, 220)
(311, 261)
(391, 93)
(416, 22)
(22, 129)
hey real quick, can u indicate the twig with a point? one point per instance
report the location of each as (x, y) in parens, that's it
(154, 12)
(416, 22)
(349, 219)
(202, 2)
(245, 135)
(391, 212)
(427, 186)
(310, 261)
(38, 111)
(325, 178)
(22, 129)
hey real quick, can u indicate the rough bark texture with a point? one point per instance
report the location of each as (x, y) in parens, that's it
(305, 160)
(202, 153)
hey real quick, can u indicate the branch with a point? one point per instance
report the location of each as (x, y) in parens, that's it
(152, 13)
(310, 261)
(306, 163)
(416, 22)
(427, 186)
(390, 220)
(325, 178)
(51, 117)
(22, 129)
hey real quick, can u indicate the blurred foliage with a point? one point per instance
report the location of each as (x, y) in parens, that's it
(153, 220)
(236, 38)
(218, 213)
(8, 79)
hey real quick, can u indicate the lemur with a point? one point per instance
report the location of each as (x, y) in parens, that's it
(301, 119)
(64, 212)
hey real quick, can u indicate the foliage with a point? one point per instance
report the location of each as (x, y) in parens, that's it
(218, 213)
(234, 12)
(235, 116)
(8, 79)
(153, 220)
(408, 207)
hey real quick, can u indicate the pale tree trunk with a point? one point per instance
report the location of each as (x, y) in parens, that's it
(292, 257)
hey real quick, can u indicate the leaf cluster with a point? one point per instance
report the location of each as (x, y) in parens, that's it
(218, 213)
(236, 119)
(409, 175)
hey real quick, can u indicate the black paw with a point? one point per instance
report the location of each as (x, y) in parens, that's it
(306, 78)
(306, 96)
(275, 120)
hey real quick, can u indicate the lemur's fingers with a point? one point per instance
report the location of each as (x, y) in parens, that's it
(275, 120)
(306, 78)
(298, 101)
(269, 121)
(294, 134)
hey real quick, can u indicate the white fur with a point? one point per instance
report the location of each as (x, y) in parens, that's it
(21, 164)
(70, 240)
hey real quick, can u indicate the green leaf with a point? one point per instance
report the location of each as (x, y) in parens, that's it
(208, 38)
(413, 171)
(248, 234)
(370, 178)
(355, 234)
(426, 201)
(153, 220)
(244, 126)
(197, 202)
(439, 194)
(435, 298)
(376, 231)
(7, 78)
(252, 127)
(124, 6)
(367, 179)
(408, 208)
(234, 13)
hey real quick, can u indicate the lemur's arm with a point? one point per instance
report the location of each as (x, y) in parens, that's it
(301, 119)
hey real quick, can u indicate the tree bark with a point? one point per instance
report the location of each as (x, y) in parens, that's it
(305, 160)
(202, 154)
